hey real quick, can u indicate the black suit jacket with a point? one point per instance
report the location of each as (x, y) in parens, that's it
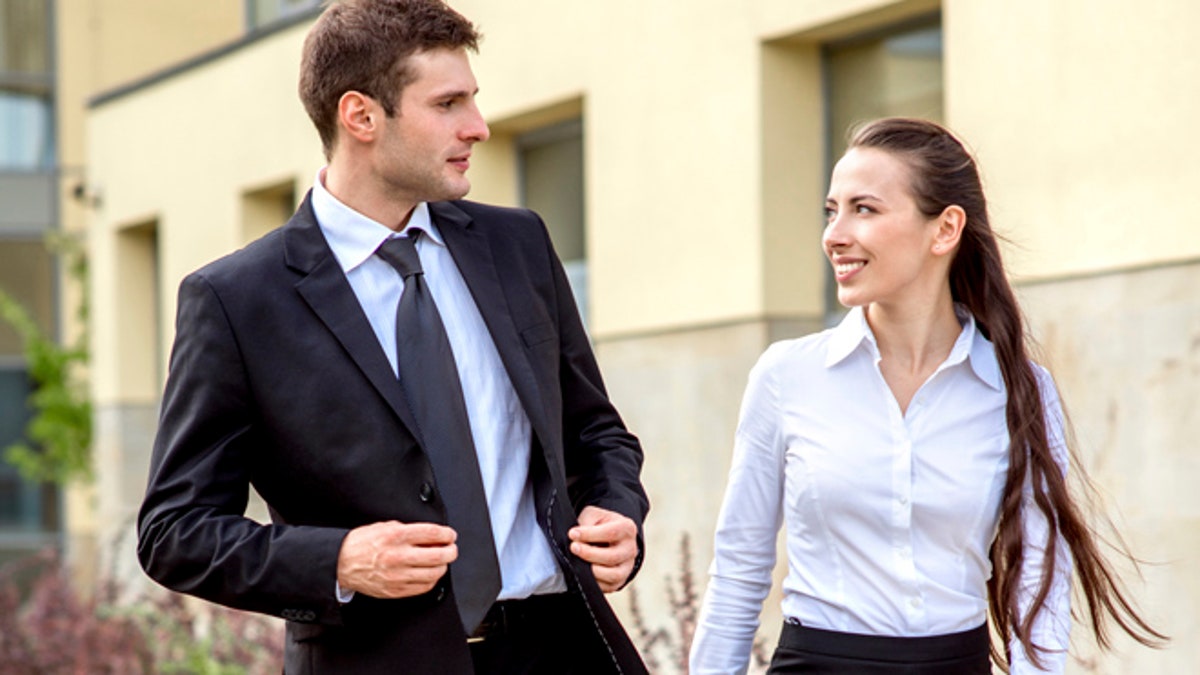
(277, 381)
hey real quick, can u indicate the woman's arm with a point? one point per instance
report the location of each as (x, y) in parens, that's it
(744, 550)
(1052, 628)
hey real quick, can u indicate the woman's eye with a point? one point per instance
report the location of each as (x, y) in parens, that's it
(863, 208)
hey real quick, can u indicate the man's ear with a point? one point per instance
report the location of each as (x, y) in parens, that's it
(358, 116)
(950, 226)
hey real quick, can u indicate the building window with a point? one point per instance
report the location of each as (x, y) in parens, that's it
(262, 13)
(267, 208)
(894, 72)
(550, 163)
(139, 350)
(26, 109)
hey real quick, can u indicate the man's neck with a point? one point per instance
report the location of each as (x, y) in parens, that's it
(357, 190)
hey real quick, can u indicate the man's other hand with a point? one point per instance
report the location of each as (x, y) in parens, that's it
(607, 540)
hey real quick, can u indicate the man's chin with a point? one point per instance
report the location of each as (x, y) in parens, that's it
(456, 190)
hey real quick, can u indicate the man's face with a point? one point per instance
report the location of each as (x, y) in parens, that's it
(424, 150)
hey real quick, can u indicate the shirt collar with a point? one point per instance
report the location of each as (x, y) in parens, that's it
(851, 333)
(854, 332)
(353, 237)
(982, 353)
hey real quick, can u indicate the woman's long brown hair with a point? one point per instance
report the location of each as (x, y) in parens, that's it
(944, 174)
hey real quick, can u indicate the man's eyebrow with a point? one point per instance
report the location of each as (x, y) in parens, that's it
(456, 93)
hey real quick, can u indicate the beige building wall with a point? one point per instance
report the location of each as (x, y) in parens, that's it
(705, 166)
(99, 45)
(1084, 130)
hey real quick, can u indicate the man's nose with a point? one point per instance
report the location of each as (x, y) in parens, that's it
(476, 128)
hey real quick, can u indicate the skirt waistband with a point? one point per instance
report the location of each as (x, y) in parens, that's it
(971, 643)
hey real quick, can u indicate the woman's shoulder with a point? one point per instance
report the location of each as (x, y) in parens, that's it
(1045, 380)
(807, 350)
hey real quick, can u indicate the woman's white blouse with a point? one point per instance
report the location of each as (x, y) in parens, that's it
(889, 516)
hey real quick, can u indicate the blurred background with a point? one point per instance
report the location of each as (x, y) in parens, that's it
(679, 151)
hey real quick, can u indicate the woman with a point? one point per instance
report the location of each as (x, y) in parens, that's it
(915, 452)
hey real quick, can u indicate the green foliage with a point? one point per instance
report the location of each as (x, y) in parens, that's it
(58, 438)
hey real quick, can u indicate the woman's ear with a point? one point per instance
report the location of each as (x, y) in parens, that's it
(950, 226)
(358, 115)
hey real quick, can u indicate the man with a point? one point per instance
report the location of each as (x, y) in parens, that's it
(450, 489)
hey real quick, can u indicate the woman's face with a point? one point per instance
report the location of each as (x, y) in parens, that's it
(881, 246)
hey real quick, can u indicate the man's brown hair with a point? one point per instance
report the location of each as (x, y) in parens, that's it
(364, 45)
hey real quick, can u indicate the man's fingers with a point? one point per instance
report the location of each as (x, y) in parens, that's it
(601, 526)
(605, 533)
(596, 534)
(422, 534)
(419, 556)
(611, 578)
(604, 555)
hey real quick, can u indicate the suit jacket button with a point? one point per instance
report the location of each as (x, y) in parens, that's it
(426, 492)
(441, 593)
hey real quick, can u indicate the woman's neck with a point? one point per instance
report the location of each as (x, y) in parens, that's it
(913, 342)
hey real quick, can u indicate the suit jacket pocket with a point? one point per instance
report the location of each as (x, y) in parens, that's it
(538, 333)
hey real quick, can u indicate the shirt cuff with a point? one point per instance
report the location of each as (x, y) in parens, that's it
(342, 596)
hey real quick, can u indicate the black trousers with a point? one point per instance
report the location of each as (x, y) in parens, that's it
(821, 652)
(541, 635)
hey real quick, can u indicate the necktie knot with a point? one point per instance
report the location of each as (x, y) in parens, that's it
(401, 253)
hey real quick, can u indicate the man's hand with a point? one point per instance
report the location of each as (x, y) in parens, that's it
(607, 540)
(395, 560)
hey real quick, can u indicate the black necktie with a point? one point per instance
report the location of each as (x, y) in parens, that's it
(430, 381)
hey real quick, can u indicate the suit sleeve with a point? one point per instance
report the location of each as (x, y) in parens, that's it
(603, 459)
(193, 536)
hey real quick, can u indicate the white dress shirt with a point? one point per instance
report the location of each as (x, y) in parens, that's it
(499, 426)
(889, 516)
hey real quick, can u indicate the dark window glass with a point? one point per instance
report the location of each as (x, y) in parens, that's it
(551, 174)
(260, 13)
(19, 500)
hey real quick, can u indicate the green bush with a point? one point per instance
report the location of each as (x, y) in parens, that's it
(58, 438)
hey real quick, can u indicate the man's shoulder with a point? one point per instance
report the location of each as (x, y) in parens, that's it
(254, 258)
(487, 213)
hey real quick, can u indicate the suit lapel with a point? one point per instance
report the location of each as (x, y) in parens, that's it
(475, 259)
(325, 289)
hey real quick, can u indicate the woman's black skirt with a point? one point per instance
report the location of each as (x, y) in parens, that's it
(823, 652)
